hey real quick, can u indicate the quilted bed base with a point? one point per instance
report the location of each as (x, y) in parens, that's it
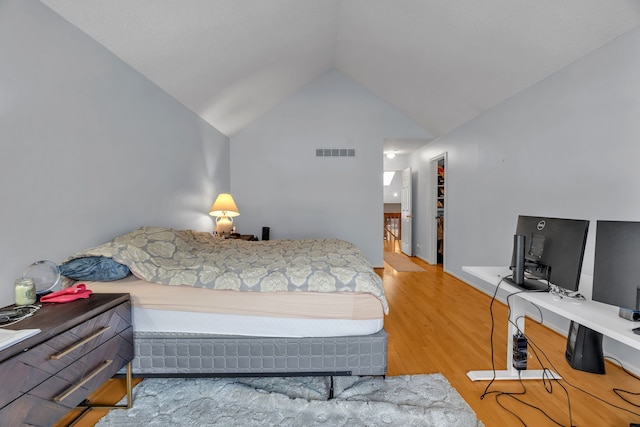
(180, 355)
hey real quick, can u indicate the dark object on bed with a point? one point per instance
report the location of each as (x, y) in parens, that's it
(98, 268)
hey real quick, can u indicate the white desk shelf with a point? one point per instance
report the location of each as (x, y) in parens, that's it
(600, 317)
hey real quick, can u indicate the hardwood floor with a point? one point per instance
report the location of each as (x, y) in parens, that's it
(439, 324)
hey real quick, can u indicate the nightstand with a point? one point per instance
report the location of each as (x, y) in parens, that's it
(249, 237)
(81, 345)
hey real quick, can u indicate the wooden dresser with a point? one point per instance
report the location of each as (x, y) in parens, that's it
(81, 345)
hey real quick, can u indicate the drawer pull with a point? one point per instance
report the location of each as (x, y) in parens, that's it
(93, 336)
(88, 378)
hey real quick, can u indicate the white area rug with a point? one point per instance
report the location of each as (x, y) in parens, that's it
(412, 400)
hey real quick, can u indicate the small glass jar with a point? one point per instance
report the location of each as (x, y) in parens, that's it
(25, 291)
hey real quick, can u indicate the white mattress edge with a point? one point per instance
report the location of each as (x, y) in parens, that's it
(154, 320)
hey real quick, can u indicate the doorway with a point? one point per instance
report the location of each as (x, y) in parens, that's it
(440, 213)
(397, 155)
(406, 244)
(439, 203)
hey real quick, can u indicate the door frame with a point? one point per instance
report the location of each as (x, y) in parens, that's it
(406, 203)
(432, 209)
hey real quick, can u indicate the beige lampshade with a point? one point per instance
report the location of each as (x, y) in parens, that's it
(224, 206)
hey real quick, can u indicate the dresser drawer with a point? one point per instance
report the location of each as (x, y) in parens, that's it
(16, 378)
(21, 412)
(54, 397)
(62, 365)
(58, 352)
(73, 384)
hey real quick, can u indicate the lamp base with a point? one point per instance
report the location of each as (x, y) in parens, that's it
(224, 225)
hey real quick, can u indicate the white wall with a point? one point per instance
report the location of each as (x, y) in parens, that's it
(277, 180)
(566, 147)
(90, 148)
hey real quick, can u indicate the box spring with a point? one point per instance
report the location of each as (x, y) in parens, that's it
(185, 354)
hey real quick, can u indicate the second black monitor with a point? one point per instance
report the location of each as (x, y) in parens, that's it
(616, 271)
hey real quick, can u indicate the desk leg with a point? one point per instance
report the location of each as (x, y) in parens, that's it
(516, 317)
(86, 407)
(508, 375)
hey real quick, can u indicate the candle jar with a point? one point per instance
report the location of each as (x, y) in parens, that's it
(25, 291)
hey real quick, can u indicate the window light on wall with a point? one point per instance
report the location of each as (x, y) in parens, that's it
(387, 177)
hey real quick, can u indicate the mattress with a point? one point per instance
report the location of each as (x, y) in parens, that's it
(187, 309)
(187, 257)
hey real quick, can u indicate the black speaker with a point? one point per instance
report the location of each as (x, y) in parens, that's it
(265, 233)
(584, 349)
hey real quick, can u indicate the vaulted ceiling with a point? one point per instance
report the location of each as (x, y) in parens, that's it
(441, 62)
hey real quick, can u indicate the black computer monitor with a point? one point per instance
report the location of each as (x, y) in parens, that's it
(616, 270)
(548, 251)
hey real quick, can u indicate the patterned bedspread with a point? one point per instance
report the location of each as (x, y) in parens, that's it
(187, 257)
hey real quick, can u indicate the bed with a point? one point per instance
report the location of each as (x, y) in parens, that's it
(205, 306)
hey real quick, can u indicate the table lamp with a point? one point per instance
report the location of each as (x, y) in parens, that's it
(224, 208)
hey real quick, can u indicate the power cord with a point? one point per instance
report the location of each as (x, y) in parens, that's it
(493, 299)
(548, 377)
(553, 367)
(513, 395)
(620, 392)
(588, 393)
(15, 315)
(560, 293)
(493, 364)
